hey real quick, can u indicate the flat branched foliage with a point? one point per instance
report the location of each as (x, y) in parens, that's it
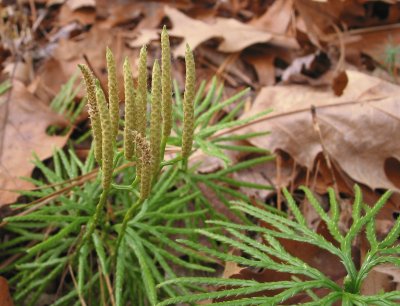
(262, 255)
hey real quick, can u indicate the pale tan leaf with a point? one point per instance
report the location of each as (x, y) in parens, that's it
(24, 133)
(359, 129)
(235, 35)
(77, 4)
(277, 18)
(384, 277)
(5, 297)
(144, 37)
(391, 270)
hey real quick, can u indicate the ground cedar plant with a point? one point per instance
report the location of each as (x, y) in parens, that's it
(113, 240)
(76, 242)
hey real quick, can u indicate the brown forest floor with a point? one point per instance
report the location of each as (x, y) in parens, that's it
(340, 57)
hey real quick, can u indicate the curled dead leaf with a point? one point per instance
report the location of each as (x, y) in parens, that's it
(357, 128)
(235, 35)
(5, 297)
(26, 120)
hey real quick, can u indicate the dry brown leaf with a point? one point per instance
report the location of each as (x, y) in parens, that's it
(275, 174)
(316, 257)
(358, 129)
(53, 2)
(391, 270)
(264, 67)
(319, 17)
(59, 68)
(5, 297)
(378, 279)
(235, 35)
(144, 37)
(277, 18)
(313, 69)
(68, 15)
(24, 133)
(77, 4)
(121, 13)
(339, 83)
(231, 268)
(374, 42)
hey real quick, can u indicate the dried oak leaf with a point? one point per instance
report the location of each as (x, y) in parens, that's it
(68, 53)
(5, 297)
(276, 18)
(23, 133)
(358, 129)
(235, 35)
(77, 4)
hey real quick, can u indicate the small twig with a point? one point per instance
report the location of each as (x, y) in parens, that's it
(102, 293)
(340, 64)
(278, 181)
(314, 180)
(108, 284)
(292, 176)
(324, 151)
(87, 60)
(297, 111)
(33, 10)
(71, 272)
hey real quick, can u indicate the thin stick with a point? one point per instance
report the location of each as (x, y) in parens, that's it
(324, 151)
(71, 272)
(278, 180)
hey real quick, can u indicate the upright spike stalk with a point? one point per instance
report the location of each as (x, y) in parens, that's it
(93, 110)
(142, 90)
(155, 121)
(107, 138)
(143, 146)
(145, 183)
(112, 92)
(188, 108)
(130, 112)
(141, 102)
(166, 88)
(106, 162)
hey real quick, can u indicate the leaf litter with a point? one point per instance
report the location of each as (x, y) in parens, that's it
(338, 57)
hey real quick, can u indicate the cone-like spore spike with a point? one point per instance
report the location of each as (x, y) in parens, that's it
(142, 90)
(188, 108)
(130, 112)
(155, 121)
(93, 110)
(107, 137)
(112, 92)
(143, 146)
(166, 83)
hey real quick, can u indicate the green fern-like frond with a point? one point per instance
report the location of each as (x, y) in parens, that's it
(270, 254)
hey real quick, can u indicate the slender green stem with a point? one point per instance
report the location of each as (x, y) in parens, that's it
(163, 146)
(131, 187)
(135, 181)
(184, 164)
(171, 161)
(117, 158)
(128, 216)
(95, 220)
(346, 300)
